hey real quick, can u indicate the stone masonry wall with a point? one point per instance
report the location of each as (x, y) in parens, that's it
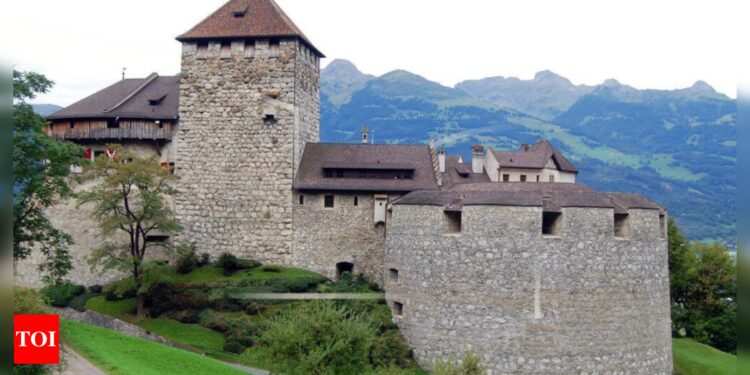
(79, 222)
(324, 237)
(236, 168)
(582, 302)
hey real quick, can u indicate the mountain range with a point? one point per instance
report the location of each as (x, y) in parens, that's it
(677, 147)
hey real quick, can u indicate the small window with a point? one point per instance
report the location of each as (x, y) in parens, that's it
(451, 222)
(328, 201)
(393, 275)
(274, 48)
(621, 225)
(356, 200)
(551, 178)
(398, 309)
(72, 124)
(202, 51)
(523, 178)
(269, 120)
(301, 199)
(537, 178)
(113, 124)
(226, 50)
(506, 177)
(663, 226)
(157, 238)
(551, 223)
(249, 49)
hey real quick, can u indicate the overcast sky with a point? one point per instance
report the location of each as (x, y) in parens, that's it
(83, 44)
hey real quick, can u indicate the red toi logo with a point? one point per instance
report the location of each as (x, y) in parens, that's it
(37, 339)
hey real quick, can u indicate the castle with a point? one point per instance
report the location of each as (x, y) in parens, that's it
(505, 253)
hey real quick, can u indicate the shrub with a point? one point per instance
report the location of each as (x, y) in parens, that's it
(241, 327)
(186, 259)
(229, 263)
(245, 341)
(78, 303)
(27, 301)
(186, 316)
(271, 268)
(226, 303)
(319, 338)
(30, 370)
(119, 292)
(233, 347)
(389, 349)
(204, 260)
(95, 289)
(247, 264)
(163, 297)
(296, 285)
(470, 365)
(214, 321)
(59, 295)
(254, 308)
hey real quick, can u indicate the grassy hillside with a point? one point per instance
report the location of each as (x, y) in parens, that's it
(692, 358)
(116, 353)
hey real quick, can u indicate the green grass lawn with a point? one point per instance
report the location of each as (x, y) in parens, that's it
(116, 353)
(693, 358)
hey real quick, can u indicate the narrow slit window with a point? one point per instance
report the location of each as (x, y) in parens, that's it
(328, 201)
(274, 48)
(226, 50)
(301, 199)
(537, 178)
(356, 200)
(621, 225)
(72, 124)
(202, 51)
(551, 178)
(249, 49)
(551, 223)
(393, 275)
(398, 309)
(451, 222)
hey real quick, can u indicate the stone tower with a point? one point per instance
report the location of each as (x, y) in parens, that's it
(249, 102)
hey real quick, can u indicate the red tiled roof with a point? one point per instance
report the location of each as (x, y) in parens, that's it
(247, 19)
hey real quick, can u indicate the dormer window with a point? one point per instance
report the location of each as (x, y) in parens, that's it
(156, 99)
(202, 51)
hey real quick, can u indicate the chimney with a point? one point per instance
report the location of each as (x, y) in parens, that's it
(364, 134)
(477, 159)
(525, 147)
(441, 159)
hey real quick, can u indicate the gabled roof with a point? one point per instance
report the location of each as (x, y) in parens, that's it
(247, 19)
(319, 156)
(460, 173)
(535, 157)
(153, 97)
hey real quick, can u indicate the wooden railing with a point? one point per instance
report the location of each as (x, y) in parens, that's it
(98, 129)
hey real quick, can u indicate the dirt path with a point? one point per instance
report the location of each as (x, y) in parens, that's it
(77, 365)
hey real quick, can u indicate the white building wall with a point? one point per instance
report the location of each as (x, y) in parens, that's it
(531, 175)
(491, 166)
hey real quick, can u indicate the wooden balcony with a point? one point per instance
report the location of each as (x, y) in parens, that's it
(108, 130)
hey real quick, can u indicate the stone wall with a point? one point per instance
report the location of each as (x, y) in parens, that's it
(79, 223)
(236, 167)
(581, 302)
(324, 237)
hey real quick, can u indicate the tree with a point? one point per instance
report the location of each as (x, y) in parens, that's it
(130, 199)
(41, 176)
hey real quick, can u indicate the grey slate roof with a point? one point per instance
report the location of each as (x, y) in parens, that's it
(128, 98)
(550, 196)
(318, 156)
(535, 157)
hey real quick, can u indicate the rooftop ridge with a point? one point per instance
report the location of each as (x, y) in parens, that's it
(151, 77)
